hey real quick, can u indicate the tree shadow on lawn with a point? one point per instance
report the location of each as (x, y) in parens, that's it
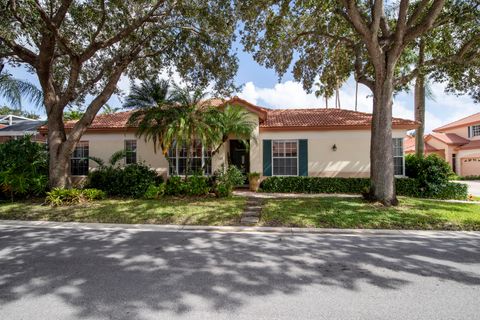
(121, 274)
(356, 213)
(206, 211)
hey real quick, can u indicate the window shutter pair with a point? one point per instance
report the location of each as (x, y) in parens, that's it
(302, 157)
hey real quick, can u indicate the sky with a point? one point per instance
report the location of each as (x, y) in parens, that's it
(262, 87)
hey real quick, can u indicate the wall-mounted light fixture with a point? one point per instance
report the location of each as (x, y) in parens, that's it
(334, 147)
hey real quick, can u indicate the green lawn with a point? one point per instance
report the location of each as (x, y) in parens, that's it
(355, 213)
(207, 211)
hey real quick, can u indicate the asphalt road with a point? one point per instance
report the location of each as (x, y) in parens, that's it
(58, 273)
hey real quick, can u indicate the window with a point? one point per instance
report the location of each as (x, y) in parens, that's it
(285, 157)
(398, 161)
(200, 159)
(130, 151)
(79, 160)
(474, 131)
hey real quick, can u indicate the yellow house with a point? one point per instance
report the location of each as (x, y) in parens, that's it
(286, 142)
(457, 142)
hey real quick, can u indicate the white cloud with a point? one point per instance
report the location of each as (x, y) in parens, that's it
(290, 94)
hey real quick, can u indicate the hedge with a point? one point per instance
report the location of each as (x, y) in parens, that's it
(405, 187)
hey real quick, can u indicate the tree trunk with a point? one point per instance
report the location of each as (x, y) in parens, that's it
(419, 95)
(58, 155)
(382, 177)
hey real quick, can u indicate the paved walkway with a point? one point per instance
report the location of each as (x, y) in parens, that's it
(252, 211)
(277, 195)
(473, 186)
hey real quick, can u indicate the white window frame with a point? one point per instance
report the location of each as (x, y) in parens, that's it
(203, 158)
(126, 151)
(403, 158)
(80, 144)
(474, 130)
(273, 157)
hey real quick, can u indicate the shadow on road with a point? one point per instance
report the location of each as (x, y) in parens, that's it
(105, 273)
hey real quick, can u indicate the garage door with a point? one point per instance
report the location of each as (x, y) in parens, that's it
(470, 166)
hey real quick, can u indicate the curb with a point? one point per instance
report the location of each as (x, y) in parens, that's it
(234, 229)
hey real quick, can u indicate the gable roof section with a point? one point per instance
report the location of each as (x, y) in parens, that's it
(448, 138)
(409, 145)
(473, 144)
(472, 119)
(324, 119)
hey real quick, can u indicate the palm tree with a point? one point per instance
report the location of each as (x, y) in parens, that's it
(107, 109)
(184, 117)
(13, 89)
(72, 114)
(150, 93)
(232, 120)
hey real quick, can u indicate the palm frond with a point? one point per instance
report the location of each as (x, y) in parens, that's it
(150, 93)
(14, 89)
(117, 156)
(97, 160)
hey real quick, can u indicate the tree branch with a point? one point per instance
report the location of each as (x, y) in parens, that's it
(427, 22)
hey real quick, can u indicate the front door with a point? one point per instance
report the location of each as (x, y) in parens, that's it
(239, 156)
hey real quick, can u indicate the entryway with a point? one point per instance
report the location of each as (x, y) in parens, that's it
(239, 156)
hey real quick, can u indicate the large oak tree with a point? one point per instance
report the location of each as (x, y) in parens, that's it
(80, 49)
(333, 39)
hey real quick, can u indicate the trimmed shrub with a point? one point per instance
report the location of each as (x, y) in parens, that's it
(197, 185)
(132, 180)
(432, 175)
(404, 186)
(175, 186)
(315, 185)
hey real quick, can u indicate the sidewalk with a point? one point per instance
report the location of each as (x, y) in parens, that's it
(233, 229)
(279, 195)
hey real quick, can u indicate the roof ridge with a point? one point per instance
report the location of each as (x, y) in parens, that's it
(447, 125)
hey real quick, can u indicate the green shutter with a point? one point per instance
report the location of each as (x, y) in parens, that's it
(303, 157)
(267, 158)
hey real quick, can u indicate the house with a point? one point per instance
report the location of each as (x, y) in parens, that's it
(285, 142)
(457, 142)
(22, 128)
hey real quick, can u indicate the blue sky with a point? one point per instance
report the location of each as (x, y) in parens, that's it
(261, 86)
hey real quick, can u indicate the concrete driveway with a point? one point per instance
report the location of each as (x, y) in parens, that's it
(473, 187)
(114, 273)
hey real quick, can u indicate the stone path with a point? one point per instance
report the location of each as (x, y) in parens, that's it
(252, 211)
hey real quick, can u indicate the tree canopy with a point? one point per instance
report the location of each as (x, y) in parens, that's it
(80, 49)
(372, 40)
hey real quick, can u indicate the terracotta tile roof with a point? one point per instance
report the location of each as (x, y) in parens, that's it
(473, 144)
(449, 138)
(104, 121)
(324, 118)
(472, 119)
(409, 145)
(272, 118)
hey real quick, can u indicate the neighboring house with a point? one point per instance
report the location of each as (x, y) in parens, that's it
(457, 142)
(22, 128)
(285, 142)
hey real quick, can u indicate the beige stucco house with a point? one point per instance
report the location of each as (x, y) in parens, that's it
(296, 142)
(457, 142)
